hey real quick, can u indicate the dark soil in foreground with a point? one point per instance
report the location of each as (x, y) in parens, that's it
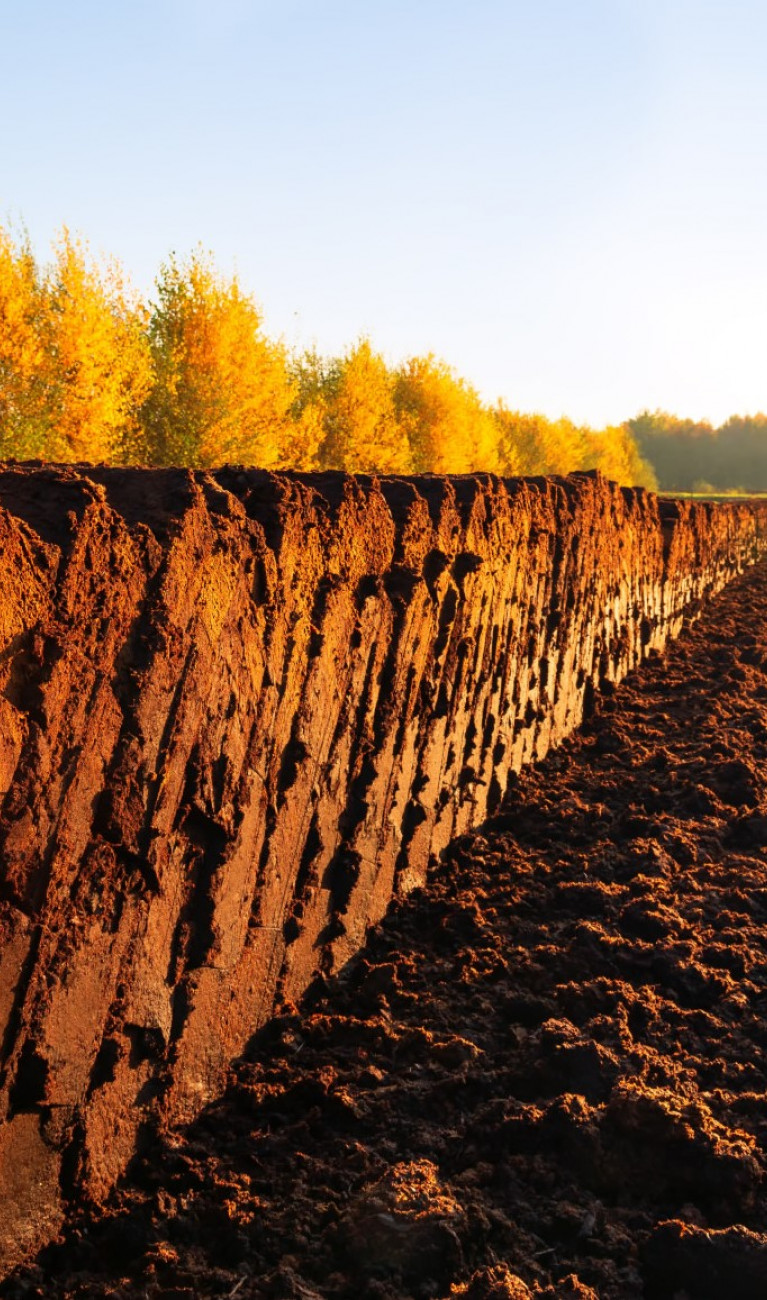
(545, 1075)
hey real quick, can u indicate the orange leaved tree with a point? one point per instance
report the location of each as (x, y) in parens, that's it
(222, 391)
(363, 433)
(449, 429)
(74, 362)
(97, 362)
(24, 418)
(614, 451)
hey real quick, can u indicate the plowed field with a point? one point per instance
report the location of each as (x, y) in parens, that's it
(546, 1073)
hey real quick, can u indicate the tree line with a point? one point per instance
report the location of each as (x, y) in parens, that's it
(89, 371)
(695, 456)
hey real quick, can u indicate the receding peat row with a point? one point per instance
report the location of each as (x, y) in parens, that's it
(238, 713)
(545, 1075)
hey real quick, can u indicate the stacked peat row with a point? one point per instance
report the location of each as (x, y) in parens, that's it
(238, 711)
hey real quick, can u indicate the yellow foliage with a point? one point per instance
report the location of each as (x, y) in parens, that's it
(517, 440)
(223, 391)
(98, 364)
(449, 430)
(306, 431)
(551, 446)
(614, 452)
(24, 427)
(88, 373)
(362, 431)
(302, 438)
(531, 444)
(74, 364)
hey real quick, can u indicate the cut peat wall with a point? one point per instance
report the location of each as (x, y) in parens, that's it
(238, 711)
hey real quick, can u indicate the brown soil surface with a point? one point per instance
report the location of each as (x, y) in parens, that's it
(241, 711)
(545, 1075)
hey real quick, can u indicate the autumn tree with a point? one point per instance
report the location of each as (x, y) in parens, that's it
(74, 363)
(614, 451)
(533, 444)
(97, 364)
(305, 430)
(355, 397)
(222, 390)
(518, 441)
(24, 418)
(449, 429)
(89, 373)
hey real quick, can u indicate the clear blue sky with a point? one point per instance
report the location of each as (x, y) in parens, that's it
(565, 199)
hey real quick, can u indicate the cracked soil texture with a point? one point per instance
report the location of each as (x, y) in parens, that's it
(544, 1075)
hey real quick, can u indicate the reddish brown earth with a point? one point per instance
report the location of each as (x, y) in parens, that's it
(545, 1074)
(238, 713)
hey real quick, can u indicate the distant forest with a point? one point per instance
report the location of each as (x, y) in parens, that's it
(696, 457)
(91, 372)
